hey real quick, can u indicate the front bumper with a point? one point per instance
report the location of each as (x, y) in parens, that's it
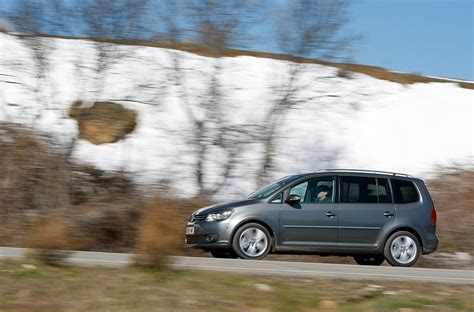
(208, 235)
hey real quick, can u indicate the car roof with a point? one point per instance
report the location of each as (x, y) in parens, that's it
(365, 172)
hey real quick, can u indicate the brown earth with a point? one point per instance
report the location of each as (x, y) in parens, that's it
(103, 122)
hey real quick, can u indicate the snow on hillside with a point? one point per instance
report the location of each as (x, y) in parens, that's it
(363, 123)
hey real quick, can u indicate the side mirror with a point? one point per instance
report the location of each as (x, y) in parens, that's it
(293, 199)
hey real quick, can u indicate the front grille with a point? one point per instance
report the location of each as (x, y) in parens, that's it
(200, 217)
(194, 217)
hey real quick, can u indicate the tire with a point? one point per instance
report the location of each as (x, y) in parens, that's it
(402, 249)
(369, 259)
(252, 241)
(223, 253)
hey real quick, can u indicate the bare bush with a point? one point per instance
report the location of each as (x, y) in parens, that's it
(34, 175)
(111, 225)
(452, 193)
(162, 230)
(89, 184)
(41, 189)
(160, 235)
(52, 237)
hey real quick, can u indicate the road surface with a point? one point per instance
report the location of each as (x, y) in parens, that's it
(273, 268)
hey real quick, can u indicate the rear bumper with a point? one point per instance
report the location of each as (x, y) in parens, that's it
(430, 245)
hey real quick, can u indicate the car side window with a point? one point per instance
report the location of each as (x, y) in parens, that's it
(317, 190)
(299, 190)
(358, 190)
(277, 199)
(404, 191)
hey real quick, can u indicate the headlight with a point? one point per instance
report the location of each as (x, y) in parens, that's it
(219, 216)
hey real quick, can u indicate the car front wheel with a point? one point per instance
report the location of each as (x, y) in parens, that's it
(252, 241)
(402, 249)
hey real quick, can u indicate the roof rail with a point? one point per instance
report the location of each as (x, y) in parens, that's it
(367, 171)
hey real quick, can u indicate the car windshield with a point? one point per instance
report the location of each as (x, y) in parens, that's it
(269, 189)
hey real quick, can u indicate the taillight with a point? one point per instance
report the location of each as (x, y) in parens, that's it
(434, 216)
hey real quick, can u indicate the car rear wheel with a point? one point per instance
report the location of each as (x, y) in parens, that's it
(402, 249)
(252, 241)
(369, 259)
(223, 253)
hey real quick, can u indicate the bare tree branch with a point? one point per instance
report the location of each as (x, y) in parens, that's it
(214, 25)
(305, 28)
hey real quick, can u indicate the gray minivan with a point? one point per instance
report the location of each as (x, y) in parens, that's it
(372, 216)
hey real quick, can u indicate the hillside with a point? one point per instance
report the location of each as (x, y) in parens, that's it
(369, 118)
(373, 71)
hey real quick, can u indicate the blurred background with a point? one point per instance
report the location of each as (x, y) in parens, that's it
(120, 118)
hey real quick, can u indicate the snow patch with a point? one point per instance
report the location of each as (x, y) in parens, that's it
(361, 122)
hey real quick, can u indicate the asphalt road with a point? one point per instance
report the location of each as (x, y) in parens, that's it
(273, 268)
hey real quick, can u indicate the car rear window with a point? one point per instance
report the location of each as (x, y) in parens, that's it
(365, 190)
(404, 191)
(358, 190)
(383, 191)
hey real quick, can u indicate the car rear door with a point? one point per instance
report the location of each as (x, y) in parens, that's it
(365, 209)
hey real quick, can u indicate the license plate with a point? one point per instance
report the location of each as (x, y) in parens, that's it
(190, 230)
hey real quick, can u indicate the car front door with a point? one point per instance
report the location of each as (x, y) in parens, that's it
(313, 222)
(365, 209)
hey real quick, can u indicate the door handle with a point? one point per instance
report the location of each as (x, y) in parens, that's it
(330, 214)
(388, 214)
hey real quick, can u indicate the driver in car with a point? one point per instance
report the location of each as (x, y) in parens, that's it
(322, 195)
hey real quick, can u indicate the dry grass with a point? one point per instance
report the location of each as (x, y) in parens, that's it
(47, 288)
